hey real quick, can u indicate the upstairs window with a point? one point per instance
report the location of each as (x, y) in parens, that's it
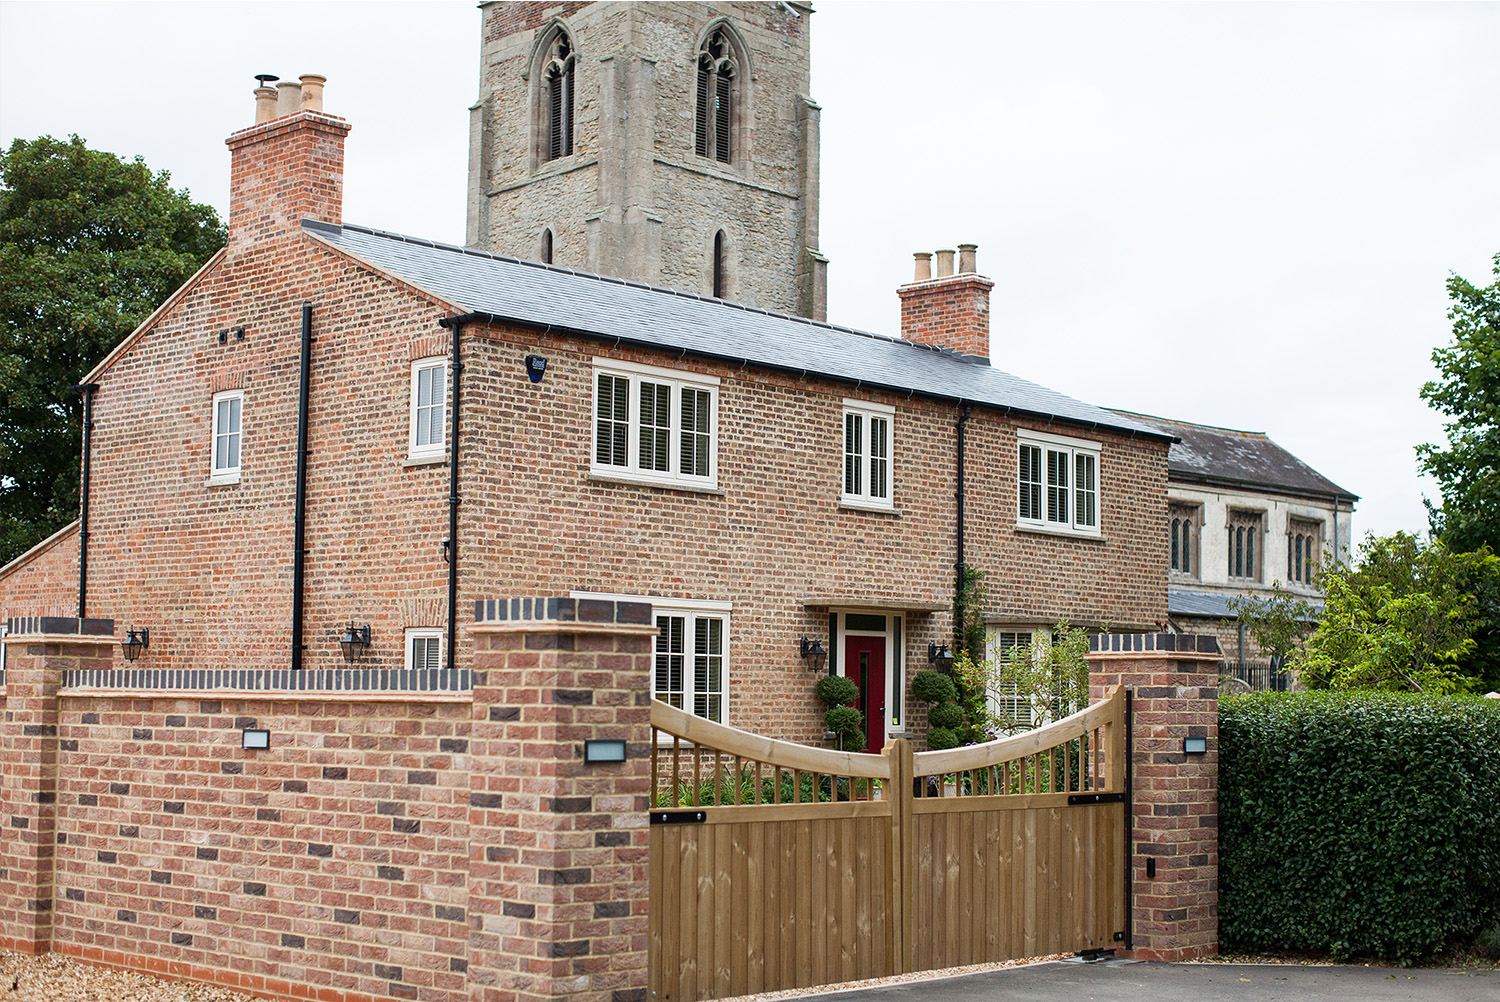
(1302, 539)
(1183, 543)
(428, 400)
(656, 426)
(228, 408)
(558, 75)
(1057, 483)
(867, 454)
(1244, 556)
(714, 122)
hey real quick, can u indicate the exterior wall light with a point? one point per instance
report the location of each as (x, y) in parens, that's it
(255, 738)
(135, 641)
(814, 654)
(939, 656)
(355, 641)
(596, 750)
(1195, 746)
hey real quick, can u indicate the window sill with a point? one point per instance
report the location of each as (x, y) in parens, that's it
(222, 480)
(686, 488)
(851, 504)
(1043, 530)
(413, 461)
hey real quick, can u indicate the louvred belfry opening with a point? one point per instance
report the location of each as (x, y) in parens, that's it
(714, 120)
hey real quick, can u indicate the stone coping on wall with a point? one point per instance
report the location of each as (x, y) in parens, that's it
(441, 684)
(1178, 646)
(562, 615)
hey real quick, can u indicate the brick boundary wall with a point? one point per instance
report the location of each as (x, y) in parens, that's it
(1175, 822)
(382, 848)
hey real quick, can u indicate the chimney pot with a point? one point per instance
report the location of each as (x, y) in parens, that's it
(265, 104)
(924, 267)
(312, 91)
(288, 98)
(966, 258)
(945, 263)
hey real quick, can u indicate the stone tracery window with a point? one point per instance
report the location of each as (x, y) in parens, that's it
(556, 105)
(717, 84)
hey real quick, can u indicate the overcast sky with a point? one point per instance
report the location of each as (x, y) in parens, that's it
(1235, 214)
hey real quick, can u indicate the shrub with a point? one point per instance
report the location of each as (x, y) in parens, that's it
(1358, 823)
(939, 738)
(837, 690)
(949, 716)
(934, 687)
(847, 725)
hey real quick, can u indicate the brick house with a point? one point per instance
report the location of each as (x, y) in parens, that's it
(758, 477)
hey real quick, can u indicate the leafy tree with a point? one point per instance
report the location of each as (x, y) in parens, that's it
(1468, 470)
(90, 245)
(1050, 679)
(1279, 622)
(1401, 618)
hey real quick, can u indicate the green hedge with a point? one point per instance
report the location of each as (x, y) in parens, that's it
(1357, 823)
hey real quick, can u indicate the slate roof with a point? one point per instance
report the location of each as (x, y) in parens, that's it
(539, 295)
(1183, 602)
(1206, 454)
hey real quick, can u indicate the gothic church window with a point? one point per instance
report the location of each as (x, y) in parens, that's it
(1244, 528)
(556, 104)
(1183, 526)
(714, 121)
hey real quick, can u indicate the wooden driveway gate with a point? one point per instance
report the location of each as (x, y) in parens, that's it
(776, 865)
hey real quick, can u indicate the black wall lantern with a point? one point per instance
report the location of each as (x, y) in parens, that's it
(939, 656)
(355, 641)
(814, 654)
(135, 641)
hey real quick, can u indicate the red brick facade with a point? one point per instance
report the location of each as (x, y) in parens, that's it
(43, 581)
(951, 312)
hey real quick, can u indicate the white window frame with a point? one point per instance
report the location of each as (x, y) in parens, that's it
(227, 474)
(691, 611)
(414, 633)
(1003, 696)
(428, 450)
(1047, 515)
(677, 383)
(867, 416)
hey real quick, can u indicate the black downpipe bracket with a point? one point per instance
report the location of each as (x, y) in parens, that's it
(299, 516)
(454, 325)
(87, 390)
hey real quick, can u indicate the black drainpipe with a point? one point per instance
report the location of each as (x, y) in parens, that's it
(455, 325)
(963, 421)
(87, 390)
(299, 516)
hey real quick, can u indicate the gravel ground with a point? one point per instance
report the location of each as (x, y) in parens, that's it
(55, 978)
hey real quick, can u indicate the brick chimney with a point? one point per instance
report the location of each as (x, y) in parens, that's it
(949, 311)
(287, 167)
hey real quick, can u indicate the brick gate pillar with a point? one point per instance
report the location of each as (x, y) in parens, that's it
(1174, 854)
(37, 651)
(558, 882)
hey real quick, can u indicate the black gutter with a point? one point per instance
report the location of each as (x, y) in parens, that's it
(299, 515)
(87, 392)
(455, 325)
(742, 362)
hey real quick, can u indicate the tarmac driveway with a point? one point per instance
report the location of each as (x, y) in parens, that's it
(1137, 981)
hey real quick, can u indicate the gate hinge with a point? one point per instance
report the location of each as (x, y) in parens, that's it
(1074, 799)
(678, 817)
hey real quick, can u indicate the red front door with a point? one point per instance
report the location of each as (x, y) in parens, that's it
(864, 662)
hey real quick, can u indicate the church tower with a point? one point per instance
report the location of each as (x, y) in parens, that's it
(669, 143)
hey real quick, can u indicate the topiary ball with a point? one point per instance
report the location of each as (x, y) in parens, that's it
(836, 690)
(934, 687)
(942, 737)
(845, 720)
(947, 716)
